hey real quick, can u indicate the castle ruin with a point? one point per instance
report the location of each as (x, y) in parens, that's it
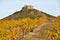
(28, 7)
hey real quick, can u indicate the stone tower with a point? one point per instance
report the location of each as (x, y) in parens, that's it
(28, 7)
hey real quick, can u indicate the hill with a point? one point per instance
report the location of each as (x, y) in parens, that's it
(28, 11)
(32, 23)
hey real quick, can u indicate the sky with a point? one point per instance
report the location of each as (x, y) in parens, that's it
(8, 7)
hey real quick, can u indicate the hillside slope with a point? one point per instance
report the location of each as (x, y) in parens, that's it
(31, 13)
(29, 16)
(40, 33)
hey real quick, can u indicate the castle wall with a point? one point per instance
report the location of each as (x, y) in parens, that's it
(28, 7)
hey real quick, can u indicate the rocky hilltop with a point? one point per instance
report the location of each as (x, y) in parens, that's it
(29, 11)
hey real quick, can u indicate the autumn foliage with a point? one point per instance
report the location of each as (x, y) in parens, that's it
(13, 29)
(54, 34)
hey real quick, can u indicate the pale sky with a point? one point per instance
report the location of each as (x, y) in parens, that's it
(8, 7)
